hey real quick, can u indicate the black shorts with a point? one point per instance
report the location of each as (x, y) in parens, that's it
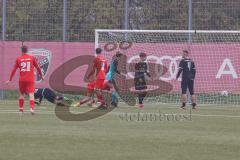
(49, 95)
(140, 83)
(187, 84)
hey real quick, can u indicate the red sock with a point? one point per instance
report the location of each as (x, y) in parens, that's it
(93, 101)
(100, 99)
(31, 103)
(20, 104)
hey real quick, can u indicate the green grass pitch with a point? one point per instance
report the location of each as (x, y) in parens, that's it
(213, 132)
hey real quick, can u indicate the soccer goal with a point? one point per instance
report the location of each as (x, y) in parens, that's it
(216, 55)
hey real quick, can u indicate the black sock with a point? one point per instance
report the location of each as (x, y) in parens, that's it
(141, 97)
(183, 104)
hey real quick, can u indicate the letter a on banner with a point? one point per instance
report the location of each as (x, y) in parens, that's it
(222, 71)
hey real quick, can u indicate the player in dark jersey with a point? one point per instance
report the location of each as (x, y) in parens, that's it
(141, 70)
(188, 70)
(111, 78)
(50, 96)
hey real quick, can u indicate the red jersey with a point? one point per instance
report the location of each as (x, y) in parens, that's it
(26, 64)
(100, 65)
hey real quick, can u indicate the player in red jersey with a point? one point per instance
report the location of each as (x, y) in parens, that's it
(26, 63)
(100, 67)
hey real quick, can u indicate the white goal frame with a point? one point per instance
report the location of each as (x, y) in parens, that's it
(189, 39)
(97, 31)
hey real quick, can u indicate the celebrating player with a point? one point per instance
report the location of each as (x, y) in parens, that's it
(50, 96)
(100, 67)
(187, 68)
(141, 70)
(26, 64)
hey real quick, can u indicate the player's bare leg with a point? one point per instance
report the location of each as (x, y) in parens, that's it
(101, 99)
(184, 99)
(31, 103)
(21, 102)
(84, 100)
(194, 102)
(91, 102)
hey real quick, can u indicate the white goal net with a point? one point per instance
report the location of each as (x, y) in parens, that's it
(216, 55)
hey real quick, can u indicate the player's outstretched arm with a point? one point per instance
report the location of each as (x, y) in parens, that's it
(40, 100)
(13, 72)
(37, 103)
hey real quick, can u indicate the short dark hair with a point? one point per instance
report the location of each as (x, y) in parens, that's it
(142, 54)
(24, 49)
(119, 54)
(185, 51)
(98, 50)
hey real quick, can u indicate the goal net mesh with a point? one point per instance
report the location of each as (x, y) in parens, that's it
(216, 55)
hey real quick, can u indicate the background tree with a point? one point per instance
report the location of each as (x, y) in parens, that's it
(43, 19)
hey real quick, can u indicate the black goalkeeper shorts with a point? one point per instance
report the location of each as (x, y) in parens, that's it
(187, 84)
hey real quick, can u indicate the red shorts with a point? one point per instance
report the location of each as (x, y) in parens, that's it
(99, 84)
(105, 86)
(91, 86)
(26, 87)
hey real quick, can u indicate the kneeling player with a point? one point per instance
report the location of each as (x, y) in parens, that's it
(50, 96)
(187, 68)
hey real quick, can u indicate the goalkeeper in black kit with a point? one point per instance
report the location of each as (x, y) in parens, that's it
(188, 70)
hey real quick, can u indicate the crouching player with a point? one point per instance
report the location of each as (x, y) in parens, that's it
(50, 96)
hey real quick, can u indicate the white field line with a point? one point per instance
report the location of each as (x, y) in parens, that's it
(121, 113)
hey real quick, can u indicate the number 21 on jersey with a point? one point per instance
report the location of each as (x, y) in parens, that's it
(25, 66)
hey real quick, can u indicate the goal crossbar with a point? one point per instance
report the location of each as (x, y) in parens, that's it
(167, 31)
